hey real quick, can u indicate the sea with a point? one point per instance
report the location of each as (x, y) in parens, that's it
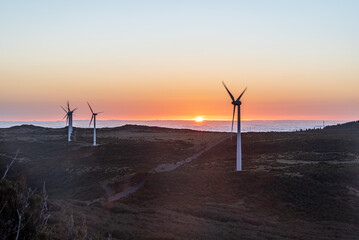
(206, 125)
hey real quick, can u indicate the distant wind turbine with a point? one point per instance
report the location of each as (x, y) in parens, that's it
(94, 123)
(239, 143)
(68, 117)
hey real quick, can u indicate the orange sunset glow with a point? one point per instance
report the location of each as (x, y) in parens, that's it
(162, 66)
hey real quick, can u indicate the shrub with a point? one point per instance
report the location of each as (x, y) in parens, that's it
(23, 213)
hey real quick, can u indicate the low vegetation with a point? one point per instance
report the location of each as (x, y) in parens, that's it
(299, 185)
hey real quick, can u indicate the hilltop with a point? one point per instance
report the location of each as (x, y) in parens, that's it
(349, 125)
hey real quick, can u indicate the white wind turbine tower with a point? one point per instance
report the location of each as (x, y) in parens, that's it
(239, 143)
(68, 117)
(94, 123)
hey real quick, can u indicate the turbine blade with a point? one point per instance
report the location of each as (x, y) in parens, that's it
(90, 107)
(241, 94)
(68, 105)
(99, 112)
(91, 121)
(74, 109)
(67, 121)
(230, 94)
(64, 116)
(234, 110)
(63, 109)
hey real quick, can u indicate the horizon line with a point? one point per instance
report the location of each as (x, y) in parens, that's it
(205, 120)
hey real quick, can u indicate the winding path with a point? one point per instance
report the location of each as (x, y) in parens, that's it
(166, 167)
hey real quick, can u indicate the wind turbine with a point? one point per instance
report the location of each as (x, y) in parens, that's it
(68, 117)
(94, 123)
(237, 103)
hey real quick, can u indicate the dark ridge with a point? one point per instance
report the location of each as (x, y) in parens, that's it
(348, 125)
(127, 127)
(27, 127)
(144, 128)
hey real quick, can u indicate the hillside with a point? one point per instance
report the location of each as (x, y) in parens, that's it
(157, 183)
(349, 125)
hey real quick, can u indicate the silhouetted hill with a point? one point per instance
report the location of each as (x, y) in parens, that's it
(26, 127)
(144, 128)
(348, 125)
(127, 127)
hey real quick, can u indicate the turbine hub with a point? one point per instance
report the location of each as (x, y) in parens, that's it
(236, 102)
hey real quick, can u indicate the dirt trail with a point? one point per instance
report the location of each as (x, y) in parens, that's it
(166, 167)
(112, 196)
(126, 192)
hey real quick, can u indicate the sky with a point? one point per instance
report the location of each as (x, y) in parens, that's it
(167, 59)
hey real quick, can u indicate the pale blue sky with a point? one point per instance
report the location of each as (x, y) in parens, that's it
(171, 25)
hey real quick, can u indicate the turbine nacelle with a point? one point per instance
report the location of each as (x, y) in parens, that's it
(68, 111)
(237, 103)
(93, 117)
(68, 116)
(94, 114)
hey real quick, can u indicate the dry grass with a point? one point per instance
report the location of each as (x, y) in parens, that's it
(278, 196)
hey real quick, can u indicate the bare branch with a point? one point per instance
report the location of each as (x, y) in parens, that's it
(19, 226)
(8, 166)
(3, 207)
(84, 227)
(45, 196)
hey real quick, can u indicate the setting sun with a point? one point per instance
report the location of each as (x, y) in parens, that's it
(199, 119)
